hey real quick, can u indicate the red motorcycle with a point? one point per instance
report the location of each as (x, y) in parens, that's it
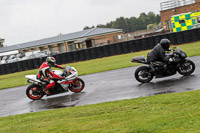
(72, 82)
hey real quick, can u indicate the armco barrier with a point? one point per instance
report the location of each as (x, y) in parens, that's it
(25, 65)
(58, 58)
(119, 49)
(88, 54)
(125, 47)
(164, 36)
(172, 38)
(81, 54)
(8, 68)
(198, 31)
(19, 66)
(180, 37)
(0, 70)
(3, 69)
(40, 61)
(100, 52)
(194, 35)
(36, 62)
(145, 44)
(138, 45)
(151, 42)
(157, 39)
(94, 52)
(64, 58)
(104, 51)
(113, 49)
(30, 64)
(187, 37)
(131, 45)
(14, 67)
(70, 57)
(76, 56)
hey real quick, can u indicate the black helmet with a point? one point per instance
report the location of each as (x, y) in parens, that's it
(51, 61)
(165, 43)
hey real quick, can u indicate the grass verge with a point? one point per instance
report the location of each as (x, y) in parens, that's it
(93, 66)
(168, 113)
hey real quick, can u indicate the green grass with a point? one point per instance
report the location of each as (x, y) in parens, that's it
(93, 66)
(168, 113)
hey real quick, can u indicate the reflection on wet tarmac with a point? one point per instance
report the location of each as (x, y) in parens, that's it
(56, 102)
(164, 92)
(169, 85)
(167, 82)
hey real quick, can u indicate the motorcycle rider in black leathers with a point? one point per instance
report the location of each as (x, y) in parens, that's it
(158, 53)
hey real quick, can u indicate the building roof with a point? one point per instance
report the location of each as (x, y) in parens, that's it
(61, 38)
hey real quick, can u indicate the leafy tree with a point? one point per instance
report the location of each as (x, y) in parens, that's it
(86, 27)
(132, 24)
(151, 26)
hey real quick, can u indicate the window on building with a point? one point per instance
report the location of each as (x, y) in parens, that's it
(61, 47)
(182, 21)
(168, 25)
(51, 48)
(119, 37)
(78, 46)
(72, 47)
(198, 20)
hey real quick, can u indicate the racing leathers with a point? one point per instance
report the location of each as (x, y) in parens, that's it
(157, 54)
(47, 75)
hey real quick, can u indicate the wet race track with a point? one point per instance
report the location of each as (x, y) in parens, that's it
(100, 87)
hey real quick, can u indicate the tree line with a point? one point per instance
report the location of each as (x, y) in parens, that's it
(144, 21)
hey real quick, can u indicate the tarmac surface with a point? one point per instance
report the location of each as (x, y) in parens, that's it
(100, 87)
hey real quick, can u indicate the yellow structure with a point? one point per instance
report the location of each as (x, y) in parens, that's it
(184, 21)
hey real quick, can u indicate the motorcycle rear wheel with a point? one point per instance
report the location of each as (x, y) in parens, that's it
(143, 75)
(34, 92)
(187, 68)
(80, 86)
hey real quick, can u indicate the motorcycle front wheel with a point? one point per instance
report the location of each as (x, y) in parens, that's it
(77, 85)
(34, 92)
(143, 74)
(187, 68)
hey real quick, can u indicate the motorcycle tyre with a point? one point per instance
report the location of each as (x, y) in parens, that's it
(189, 73)
(140, 69)
(32, 97)
(78, 90)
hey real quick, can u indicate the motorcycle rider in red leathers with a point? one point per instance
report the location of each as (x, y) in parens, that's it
(47, 75)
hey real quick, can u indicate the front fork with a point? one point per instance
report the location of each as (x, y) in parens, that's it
(74, 82)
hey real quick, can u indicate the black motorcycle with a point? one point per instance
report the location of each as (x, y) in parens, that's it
(180, 64)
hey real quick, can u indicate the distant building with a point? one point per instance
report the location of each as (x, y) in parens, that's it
(175, 7)
(69, 42)
(1, 42)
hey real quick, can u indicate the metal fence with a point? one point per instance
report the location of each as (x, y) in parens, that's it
(175, 3)
(104, 51)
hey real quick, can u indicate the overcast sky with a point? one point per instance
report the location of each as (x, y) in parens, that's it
(28, 20)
